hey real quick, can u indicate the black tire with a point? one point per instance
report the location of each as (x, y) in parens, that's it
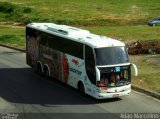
(81, 88)
(46, 72)
(39, 70)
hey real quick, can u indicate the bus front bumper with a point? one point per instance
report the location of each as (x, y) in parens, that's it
(112, 95)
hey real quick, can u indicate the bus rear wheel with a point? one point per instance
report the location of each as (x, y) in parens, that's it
(81, 88)
(39, 70)
(46, 72)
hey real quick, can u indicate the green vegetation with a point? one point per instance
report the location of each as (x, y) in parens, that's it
(149, 72)
(12, 36)
(88, 12)
(128, 33)
(15, 13)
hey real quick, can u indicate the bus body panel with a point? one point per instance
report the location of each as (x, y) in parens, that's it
(64, 67)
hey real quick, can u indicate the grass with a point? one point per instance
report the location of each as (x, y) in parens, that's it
(12, 36)
(149, 72)
(91, 12)
(15, 13)
(128, 33)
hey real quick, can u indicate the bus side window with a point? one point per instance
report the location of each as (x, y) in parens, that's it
(90, 64)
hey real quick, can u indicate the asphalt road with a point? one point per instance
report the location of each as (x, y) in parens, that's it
(24, 93)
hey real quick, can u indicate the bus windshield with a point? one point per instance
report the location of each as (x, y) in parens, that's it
(111, 55)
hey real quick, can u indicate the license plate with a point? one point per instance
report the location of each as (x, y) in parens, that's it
(115, 95)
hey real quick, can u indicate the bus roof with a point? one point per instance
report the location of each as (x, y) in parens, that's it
(77, 34)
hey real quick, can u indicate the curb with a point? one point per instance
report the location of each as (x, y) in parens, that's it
(10, 47)
(153, 94)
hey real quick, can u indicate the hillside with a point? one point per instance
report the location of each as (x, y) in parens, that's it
(81, 12)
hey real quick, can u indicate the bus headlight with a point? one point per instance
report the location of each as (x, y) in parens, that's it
(102, 89)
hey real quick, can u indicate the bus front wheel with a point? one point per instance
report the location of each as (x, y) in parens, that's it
(81, 88)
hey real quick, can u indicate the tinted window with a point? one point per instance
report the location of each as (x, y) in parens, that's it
(32, 32)
(43, 38)
(62, 44)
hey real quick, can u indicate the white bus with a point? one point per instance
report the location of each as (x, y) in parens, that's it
(95, 65)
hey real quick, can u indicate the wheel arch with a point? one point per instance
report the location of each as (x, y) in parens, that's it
(39, 63)
(78, 85)
(46, 66)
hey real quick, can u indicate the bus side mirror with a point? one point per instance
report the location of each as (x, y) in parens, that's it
(97, 74)
(135, 69)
